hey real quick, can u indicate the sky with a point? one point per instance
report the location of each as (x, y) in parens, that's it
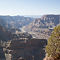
(29, 7)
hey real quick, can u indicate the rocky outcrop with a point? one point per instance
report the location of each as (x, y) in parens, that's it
(27, 48)
(30, 50)
(2, 55)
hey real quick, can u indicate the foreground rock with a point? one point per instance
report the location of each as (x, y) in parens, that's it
(2, 55)
(26, 48)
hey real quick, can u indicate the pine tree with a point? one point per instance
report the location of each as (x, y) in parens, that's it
(53, 46)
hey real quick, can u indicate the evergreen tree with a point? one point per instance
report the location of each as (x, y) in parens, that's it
(53, 46)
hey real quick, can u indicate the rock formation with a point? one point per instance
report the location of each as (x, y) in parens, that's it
(27, 48)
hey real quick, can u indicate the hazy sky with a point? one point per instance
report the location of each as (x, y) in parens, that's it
(29, 7)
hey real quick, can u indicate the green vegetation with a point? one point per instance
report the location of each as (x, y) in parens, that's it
(53, 46)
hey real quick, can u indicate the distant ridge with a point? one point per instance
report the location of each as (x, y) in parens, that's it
(45, 21)
(14, 21)
(33, 16)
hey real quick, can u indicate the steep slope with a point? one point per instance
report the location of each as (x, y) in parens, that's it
(4, 35)
(41, 26)
(14, 21)
(45, 21)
